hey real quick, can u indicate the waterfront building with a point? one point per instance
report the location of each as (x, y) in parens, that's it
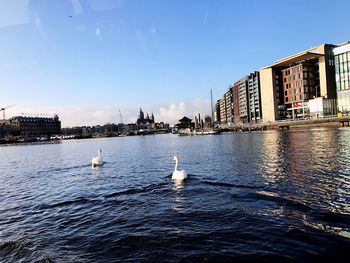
(254, 97)
(223, 115)
(184, 123)
(9, 129)
(320, 107)
(32, 127)
(235, 103)
(228, 104)
(207, 122)
(243, 100)
(342, 76)
(217, 112)
(290, 82)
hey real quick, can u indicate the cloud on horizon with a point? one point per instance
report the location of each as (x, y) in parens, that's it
(87, 115)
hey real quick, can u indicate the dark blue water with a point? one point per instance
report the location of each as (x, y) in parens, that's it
(260, 196)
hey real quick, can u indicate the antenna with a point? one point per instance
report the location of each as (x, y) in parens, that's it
(120, 114)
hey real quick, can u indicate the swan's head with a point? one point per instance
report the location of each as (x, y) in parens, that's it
(175, 158)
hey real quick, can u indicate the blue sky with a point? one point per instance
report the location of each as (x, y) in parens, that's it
(85, 59)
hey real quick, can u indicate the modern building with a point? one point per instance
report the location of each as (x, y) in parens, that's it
(243, 100)
(288, 84)
(235, 103)
(217, 112)
(223, 114)
(254, 97)
(342, 76)
(228, 103)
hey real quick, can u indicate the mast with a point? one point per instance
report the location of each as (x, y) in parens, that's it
(120, 114)
(211, 107)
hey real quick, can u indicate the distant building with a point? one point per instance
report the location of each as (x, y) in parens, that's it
(342, 76)
(143, 122)
(207, 122)
(185, 123)
(243, 100)
(217, 112)
(7, 128)
(235, 103)
(254, 97)
(228, 103)
(31, 127)
(223, 114)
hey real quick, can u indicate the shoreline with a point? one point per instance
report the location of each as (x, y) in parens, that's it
(310, 124)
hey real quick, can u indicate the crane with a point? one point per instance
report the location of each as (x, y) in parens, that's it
(120, 114)
(3, 110)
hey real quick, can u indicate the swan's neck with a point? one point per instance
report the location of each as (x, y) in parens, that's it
(176, 164)
(99, 155)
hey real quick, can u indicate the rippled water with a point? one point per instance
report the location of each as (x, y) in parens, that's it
(260, 196)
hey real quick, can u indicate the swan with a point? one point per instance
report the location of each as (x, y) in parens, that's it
(178, 175)
(97, 161)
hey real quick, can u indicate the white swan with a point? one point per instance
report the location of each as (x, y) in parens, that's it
(97, 161)
(178, 175)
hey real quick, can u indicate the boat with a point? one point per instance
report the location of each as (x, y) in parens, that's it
(187, 131)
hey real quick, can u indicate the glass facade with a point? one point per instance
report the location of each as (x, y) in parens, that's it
(342, 78)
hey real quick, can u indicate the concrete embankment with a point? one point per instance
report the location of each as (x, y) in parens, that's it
(292, 124)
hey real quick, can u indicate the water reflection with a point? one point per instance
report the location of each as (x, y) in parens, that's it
(307, 167)
(178, 185)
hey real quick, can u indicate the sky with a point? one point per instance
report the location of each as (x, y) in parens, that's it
(87, 59)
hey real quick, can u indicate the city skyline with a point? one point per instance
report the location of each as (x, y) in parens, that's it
(86, 60)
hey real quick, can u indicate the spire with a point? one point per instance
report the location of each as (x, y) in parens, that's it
(141, 117)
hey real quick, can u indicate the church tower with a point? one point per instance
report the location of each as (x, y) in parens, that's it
(141, 116)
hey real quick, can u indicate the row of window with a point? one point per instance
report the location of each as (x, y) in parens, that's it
(297, 98)
(342, 68)
(300, 83)
(298, 76)
(345, 57)
(292, 70)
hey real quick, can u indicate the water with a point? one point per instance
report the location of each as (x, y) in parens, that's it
(260, 196)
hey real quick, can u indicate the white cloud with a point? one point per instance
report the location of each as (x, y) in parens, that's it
(77, 7)
(91, 115)
(38, 25)
(98, 33)
(102, 5)
(13, 13)
(71, 116)
(176, 111)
